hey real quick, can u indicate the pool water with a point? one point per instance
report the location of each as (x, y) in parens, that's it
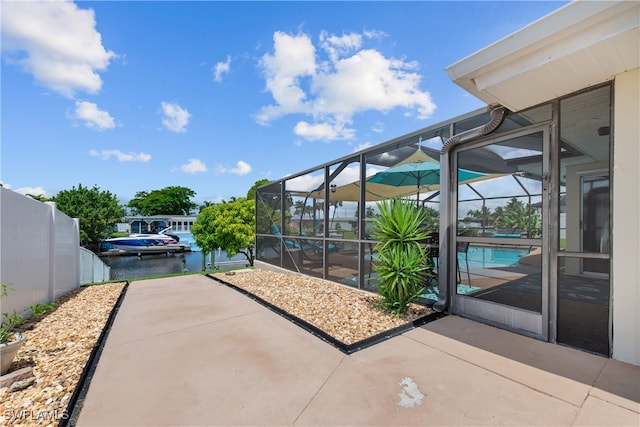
(492, 257)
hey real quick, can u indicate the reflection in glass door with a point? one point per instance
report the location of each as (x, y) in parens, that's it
(595, 222)
(501, 228)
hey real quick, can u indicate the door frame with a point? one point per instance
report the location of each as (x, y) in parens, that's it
(511, 318)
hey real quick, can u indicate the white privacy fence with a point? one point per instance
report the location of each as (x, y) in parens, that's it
(92, 268)
(39, 251)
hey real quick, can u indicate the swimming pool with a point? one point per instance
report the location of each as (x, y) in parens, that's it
(492, 257)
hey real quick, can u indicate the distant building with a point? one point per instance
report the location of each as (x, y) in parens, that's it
(155, 223)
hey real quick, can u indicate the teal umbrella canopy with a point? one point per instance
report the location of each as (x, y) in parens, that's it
(419, 174)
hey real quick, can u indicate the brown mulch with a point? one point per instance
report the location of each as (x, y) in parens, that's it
(347, 314)
(57, 348)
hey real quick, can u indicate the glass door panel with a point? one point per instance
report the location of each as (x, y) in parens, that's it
(595, 222)
(500, 224)
(583, 259)
(583, 305)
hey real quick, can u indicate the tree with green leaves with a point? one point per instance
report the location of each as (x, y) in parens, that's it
(39, 197)
(369, 212)
(518, 216)
(431, 219)
(172, 200)
(205, 204)
(483, 215)
(251, 194)
(204, 231)
(229, 226)
(300, 208)
(98, 211)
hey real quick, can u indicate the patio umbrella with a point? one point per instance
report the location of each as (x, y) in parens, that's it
(418, 166)
(419, 174)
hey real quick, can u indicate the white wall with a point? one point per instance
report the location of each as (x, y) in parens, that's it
(65, 268)
(39, 251)
(626, 219)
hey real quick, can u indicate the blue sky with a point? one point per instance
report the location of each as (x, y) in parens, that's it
(213, 96)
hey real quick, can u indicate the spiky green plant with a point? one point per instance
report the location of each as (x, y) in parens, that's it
(402, 260)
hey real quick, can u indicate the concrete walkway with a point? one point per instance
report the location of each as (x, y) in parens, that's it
(189, 351)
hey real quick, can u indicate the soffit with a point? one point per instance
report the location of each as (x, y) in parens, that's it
(580, 45)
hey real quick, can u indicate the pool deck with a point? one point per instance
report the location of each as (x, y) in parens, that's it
(190, 351)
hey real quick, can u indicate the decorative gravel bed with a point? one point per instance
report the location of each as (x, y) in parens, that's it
(349, 315)
(57, 348)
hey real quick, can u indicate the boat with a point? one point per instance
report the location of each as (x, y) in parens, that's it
(139, 243)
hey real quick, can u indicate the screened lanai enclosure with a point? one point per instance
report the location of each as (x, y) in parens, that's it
(518, 221)
(320, 222)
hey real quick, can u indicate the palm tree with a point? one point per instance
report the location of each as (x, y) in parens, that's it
(369, 212)
(206, 204)
(299, 207)
(336, 204)
(518, 216)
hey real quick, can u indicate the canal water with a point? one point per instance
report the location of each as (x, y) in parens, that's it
(124, 267)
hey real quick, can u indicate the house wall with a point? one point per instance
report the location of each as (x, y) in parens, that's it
(626, 226)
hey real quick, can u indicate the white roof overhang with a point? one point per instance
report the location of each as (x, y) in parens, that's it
(579, 45)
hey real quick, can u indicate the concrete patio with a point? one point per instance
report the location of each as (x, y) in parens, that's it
(190, 351)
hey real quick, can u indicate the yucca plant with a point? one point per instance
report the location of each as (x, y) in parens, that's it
(402, 260)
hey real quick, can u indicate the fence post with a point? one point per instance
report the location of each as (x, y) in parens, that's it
(52, 251)
(76, 254)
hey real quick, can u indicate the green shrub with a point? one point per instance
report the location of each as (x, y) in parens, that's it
(9, 322)
(402, 260)
(41, 308)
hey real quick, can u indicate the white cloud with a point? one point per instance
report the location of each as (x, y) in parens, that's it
(306, 182)
(120, 156)
(57, 42)
(374, 34)
(293, 59)
(323, 131)
(175, 117)
(242, 168)
(337, 46)
(220, 69)
(331, 91)
(362, 146)
(194, 166)
(33, 191)
(93, 117)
